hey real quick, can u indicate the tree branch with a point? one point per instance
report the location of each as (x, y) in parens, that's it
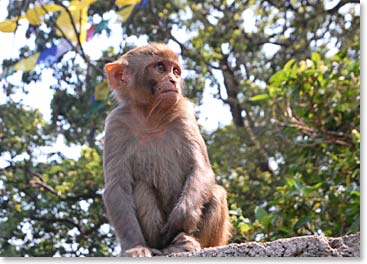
(38, 181)
(330, 136)
(341, 4)
(77, 33)
(55, 219)
(85, 58)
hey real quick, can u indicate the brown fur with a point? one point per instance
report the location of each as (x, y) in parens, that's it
(160, 191)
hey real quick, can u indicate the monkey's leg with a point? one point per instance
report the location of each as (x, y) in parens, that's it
(215, 228)
(149, 213)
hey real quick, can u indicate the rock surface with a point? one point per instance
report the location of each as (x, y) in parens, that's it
(305, 246)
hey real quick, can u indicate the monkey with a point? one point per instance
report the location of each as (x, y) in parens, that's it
(160, 192)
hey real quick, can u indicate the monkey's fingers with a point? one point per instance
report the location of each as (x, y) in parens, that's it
(156, 252)
(182, 243)
(138, 251)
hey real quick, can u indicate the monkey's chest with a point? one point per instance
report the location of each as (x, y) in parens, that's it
(163, 165)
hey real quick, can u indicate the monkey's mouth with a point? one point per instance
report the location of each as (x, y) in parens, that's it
(169, 91)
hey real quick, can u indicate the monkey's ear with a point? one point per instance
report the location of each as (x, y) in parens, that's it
(115, 73)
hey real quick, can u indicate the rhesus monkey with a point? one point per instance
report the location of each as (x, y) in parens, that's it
(160, 191)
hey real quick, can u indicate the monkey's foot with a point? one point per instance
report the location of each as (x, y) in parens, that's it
(182, 243)
(140, 251)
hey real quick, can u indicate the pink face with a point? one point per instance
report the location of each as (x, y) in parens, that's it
(149, 76)
(163, 80)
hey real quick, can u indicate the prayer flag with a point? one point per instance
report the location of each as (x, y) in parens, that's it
(103, 25)
(62, 48)
(143, 3)
(125, 13)
(48, 55)
(102, 91)
(27, 64)
(126, 2)
(90, 32)
(79, 13)
(33, 15)
(8, 25)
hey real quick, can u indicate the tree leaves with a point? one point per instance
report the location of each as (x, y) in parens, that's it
(300, 106)
(259, 97)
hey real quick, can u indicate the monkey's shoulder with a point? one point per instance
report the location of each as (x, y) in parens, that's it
(117, 119)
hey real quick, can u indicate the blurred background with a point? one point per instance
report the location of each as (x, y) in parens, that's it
(277, 91)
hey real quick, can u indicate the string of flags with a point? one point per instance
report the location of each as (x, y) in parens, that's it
(53, 54)
(35, 15)
(78, 9)
(79, 12)
(98, 100)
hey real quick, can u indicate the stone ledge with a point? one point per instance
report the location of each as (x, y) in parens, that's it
(305, 246)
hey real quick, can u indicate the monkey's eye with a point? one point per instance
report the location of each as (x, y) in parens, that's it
(160, 67)
(176, 71)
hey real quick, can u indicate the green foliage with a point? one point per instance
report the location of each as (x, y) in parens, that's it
(317, 105)
(292, 101)
(19, 129)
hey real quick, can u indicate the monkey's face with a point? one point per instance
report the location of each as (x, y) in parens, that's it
(162, 81)
(149, 76)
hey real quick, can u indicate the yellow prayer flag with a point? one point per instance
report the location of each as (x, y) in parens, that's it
(125, 13)
(80, 17)
(8, 25)
(126, 2)
(27, 64)
(101, 92)
(33, 14)
(33, 17)
(78, 5)
(78, 9)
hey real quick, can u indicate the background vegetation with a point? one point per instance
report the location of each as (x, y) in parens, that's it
(290, 159)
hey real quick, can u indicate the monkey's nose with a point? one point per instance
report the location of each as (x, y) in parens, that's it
(172, 81)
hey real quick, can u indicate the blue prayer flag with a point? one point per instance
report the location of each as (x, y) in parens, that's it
(48, 55)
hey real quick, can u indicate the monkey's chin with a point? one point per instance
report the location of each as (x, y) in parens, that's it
(169, 98)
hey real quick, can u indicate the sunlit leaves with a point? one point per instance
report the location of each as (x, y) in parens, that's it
(259, 97)
(25, 127)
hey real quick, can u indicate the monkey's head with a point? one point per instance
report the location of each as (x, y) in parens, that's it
(148, 76)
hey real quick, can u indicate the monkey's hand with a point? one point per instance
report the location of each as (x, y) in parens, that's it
(140, 251)
(182, 243)
(179, 220)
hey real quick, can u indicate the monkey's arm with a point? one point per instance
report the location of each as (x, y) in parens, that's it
(120, 209)
(118, 197)
(187, 213)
